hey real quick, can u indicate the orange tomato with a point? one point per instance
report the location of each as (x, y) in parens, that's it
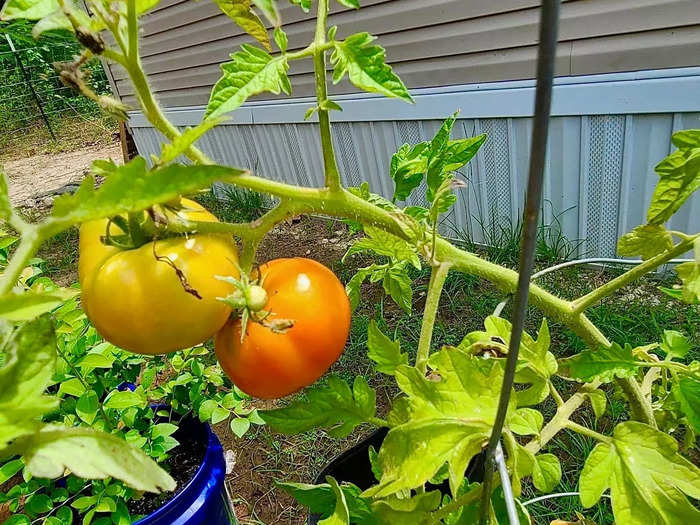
(270, 365)
(138, 303)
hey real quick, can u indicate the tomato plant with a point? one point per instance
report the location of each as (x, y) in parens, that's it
(134, 296)
(268, 364)
(452, 402)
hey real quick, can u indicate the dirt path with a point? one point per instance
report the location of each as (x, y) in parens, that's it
(31, 179)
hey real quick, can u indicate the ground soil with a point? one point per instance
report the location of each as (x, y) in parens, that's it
(34, 179)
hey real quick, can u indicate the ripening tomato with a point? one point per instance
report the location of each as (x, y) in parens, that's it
(138, 302)
(267, 364)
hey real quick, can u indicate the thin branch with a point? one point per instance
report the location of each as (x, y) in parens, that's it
(432, 300)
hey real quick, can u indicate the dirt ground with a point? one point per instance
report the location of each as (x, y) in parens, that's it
(33, 179)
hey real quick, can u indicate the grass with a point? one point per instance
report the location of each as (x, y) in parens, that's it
(637, 314)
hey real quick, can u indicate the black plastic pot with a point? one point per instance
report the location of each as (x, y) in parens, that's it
(353, 466)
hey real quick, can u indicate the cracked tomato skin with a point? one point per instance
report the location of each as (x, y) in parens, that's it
(138, 303)
(269, 365)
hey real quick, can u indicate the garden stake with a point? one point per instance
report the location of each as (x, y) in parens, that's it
(549, 20)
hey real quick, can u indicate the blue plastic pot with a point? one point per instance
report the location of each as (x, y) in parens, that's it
(204, 499)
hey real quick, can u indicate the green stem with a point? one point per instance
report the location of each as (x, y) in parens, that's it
(132, 32)
(28, 246)
(432, 300)
(135, 230)
(260, 227)
(329, 163)
(555, 394)
(456, 504)
(378, 422)
(588, 432)
(580, 304)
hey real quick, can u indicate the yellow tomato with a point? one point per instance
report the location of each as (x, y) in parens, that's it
(138, 302)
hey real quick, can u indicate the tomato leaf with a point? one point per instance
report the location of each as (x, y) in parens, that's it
(269, 9)
(397, 284)
(239, 11)
(598, 402)
(646, 475)
(9, 469)
(460, 151)
(365, 65)
(132, 187)
(320, 499)
(407, 169)
(171, 150)
(647, 241)
(686, 139)
(281, 40)
(251, 71)
(28, 9)
(603, 364)
(30, 361)
(25, 306)
(686, 390)
(408, 511)
(679, 177)
(385, 244)
(675, 344)
(526, 422)
(383, 351)
(341, 514)
(546, 472)
(689, 273)
(90, 454)
(333, 406)
(450, 413)
(304, 4)
(355, 4)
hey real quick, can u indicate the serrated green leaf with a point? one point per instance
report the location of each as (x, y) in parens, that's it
(689, 273)
(90, 454)
(240, 12)
(675, 344)
(269, 9)
(28, 9)
(526, 422)
(385, 244)
(355, 4)
(686, 390)
(366, 67)
(679, 177)
(172, 150)
(25, 306)
(603, 364)
(334, 406)
(397, 284)
(460, 151)
(689, 138)
(281, 39)
(546, 472)
(407, 169)
(598, 402)
(450, 417)
(133, 188)
(648, 478)
(251, 71)
(341, 514)
(647, 241)
(383, 351)
(414, 510)
(320, 499)
(304, 4)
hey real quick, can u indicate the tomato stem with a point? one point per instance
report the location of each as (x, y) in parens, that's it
(432, 300)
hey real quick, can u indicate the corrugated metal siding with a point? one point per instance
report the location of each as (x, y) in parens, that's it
(438, 43)
(599, 175)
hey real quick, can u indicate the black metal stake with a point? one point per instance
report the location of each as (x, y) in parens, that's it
(31, 86)
(549, 21)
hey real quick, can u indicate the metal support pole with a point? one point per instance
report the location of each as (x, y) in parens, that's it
(549, 20)
(31, 86)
